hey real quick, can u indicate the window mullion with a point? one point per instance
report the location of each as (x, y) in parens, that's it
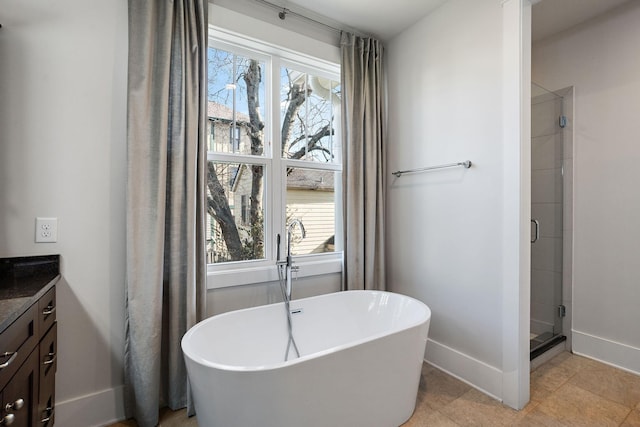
(268, 201)
(278, 193)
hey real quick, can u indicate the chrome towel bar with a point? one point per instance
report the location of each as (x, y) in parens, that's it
(467, 164)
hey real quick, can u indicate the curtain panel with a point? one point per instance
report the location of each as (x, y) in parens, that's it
(166, 184)
(364, 171)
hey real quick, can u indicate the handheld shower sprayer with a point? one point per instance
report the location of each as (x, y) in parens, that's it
(277, 247)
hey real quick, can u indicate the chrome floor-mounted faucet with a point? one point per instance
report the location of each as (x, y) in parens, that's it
(285, 282)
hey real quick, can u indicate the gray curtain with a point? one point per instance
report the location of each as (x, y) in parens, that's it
(166, 164)
(364, 172)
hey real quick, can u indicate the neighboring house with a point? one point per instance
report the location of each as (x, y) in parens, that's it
(227, 136)
(224, 137)
(311, 198)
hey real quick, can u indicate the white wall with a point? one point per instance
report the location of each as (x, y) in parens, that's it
(254, 23)
(62, 154)
(225, 299)
(451, 232)
(600, 59)
(252, 18)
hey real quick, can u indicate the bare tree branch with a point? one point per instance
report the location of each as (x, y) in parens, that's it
(218, 207)
(297, 96)
(312, 143)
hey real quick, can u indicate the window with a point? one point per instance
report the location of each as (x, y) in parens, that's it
(275, 155)
(245, 210)
(211, 129)
(235, 139)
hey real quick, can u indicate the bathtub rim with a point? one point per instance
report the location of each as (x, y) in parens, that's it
(188, 352)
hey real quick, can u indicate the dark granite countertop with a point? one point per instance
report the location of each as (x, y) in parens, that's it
(23, 281)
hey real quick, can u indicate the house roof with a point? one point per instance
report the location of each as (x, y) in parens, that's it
(298, 179)
(310, 179)
(216, 110)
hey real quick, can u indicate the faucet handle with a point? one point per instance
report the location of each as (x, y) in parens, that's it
(294, 271)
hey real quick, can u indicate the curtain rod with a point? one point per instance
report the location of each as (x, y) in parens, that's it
(283, 12)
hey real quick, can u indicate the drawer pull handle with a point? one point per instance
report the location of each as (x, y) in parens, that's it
(52, 358)
(8, 420)
(48, 412)
(13, 355)
(15, 406)
(50, 309)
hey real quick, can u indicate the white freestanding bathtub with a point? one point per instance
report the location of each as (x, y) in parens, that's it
(361, 355)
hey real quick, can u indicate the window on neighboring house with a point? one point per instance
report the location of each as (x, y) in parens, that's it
(212, 134)
(235, 139)
(245, 209)
(281, 114)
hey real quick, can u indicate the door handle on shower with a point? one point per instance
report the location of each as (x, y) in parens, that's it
(536, 235)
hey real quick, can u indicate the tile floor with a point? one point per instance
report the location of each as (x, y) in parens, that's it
(568, 390)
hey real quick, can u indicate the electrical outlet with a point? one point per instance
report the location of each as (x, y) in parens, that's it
(46, 230)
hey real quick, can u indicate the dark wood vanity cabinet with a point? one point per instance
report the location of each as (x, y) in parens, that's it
(27, 366)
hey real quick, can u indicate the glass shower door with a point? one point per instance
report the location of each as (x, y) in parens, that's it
(547, 121)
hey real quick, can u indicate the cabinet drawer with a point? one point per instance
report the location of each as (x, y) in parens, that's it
(48, 357)
(47, 310)
(20, 396)
(16, 342)
(48, 366)
(46, 404)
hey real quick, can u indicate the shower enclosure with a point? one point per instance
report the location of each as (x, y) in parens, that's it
(548, 121)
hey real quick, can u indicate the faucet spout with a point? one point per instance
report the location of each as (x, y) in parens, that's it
(290, 227)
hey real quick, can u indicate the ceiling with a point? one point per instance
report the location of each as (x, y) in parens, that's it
(385, 19)
(553, 16)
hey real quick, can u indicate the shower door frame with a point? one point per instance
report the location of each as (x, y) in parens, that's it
(565, 301)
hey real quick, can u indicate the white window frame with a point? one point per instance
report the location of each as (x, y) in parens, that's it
(248, 272)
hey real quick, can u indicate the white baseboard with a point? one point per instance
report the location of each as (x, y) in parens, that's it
(95, 410)
(477, 374)
(612, 353)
